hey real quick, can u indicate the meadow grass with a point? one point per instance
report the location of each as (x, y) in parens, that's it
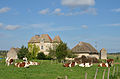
(46, 70)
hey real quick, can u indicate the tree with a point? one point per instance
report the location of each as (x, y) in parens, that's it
(70, 54)
(61, 51)
(41, 55)
(52, 52)
(23, 52)
(33, 49)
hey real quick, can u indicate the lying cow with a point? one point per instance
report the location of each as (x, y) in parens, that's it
(21, 64)
(103, 65)
(85, 64)
(26, 64)
(9, 61)
(70, 64)
(108, 64)
(33, 63)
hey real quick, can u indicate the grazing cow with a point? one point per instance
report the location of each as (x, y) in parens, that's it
(9, 61)
(103, 65)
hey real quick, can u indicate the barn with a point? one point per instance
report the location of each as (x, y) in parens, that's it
(86, 49)
(12, 53)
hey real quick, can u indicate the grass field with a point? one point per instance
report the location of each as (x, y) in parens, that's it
(46, 70)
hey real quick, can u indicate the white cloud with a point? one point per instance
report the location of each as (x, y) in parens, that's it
(76, 3)
(1, 25)
(116, 10)
(87, 11)
(57, 11)
(44, 11)
(5, 9)
(12, 27)
(117, 24)
(84, 26)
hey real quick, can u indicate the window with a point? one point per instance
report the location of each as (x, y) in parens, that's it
(41, 47)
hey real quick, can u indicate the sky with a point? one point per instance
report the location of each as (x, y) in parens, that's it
(93, 21)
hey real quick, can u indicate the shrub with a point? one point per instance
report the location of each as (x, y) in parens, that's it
(41, 55)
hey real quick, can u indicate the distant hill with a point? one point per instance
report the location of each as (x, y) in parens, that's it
(117, 53)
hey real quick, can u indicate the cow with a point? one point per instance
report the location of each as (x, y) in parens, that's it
(66, 64)
(85, 64)
(110, 62)
(103, 65)
(26, 64)
(33, 63)
(72, 64)
(22, 64)
(9, 61)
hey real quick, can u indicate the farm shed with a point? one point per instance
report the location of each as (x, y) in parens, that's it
(85, 49)
(12, 53)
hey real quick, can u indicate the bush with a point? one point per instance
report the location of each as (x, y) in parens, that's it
(23, 52)
(41, 55)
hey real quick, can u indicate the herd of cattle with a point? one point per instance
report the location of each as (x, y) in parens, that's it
(82, 62)
(88, 62)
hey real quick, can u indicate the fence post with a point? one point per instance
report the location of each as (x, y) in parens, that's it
(86, 75)
(104, 74)
(66, 77)
(108, 73)
(113, 71)
(117, 70)
(96, 73)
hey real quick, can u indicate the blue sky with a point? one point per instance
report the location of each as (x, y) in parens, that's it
(94, 21)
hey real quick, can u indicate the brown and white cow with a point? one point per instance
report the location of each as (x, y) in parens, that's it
(108, 64)
(33, 63)
(9, 61)
(85, 64)
(72, 64)
(22, 64)
(103, 65)
(26, 64)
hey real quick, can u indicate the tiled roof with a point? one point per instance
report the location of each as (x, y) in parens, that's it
(57, 39)
(84, 47)
(44, 38)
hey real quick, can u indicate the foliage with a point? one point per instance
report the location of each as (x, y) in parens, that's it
(41, 55)
(23, 52)
(70, 54)
(33, 49)
(61, 51)
(52, 52)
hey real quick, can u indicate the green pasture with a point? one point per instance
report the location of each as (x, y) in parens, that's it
(48, 70)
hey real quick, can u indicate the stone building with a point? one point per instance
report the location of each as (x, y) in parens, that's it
(12, 53)
(85, 49)
(103, 53)
(44, 42)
